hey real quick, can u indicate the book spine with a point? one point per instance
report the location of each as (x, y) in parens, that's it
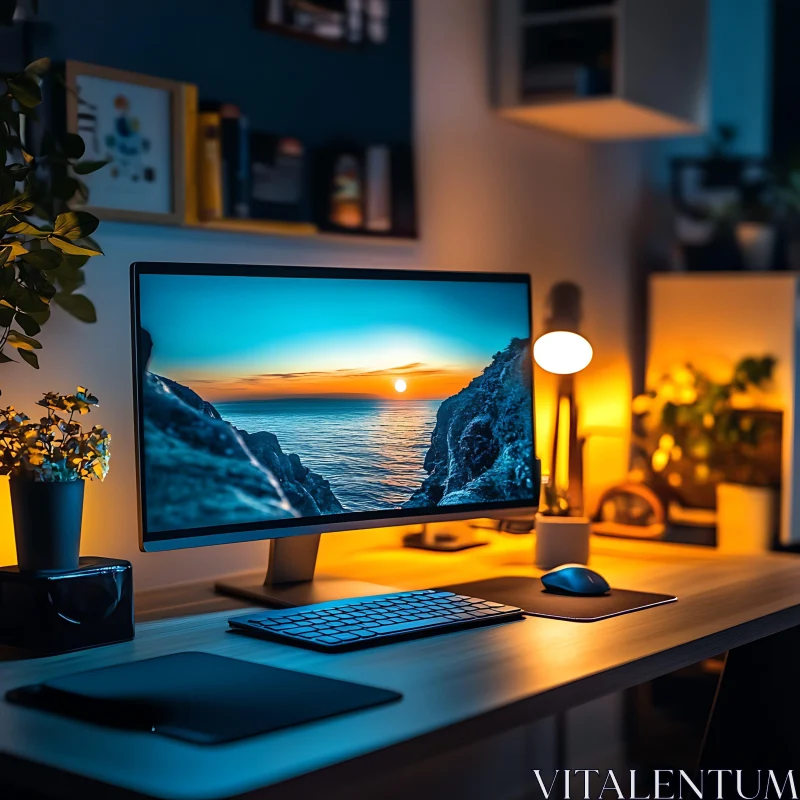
(378, 189)
(209, 165)
(190, 132)
(242, 207)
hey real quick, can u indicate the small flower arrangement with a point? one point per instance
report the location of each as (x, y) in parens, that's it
(56, 448)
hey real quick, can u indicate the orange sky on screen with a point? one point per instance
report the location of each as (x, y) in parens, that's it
(421, 384)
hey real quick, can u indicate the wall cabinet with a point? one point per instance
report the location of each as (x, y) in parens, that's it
(602, 69)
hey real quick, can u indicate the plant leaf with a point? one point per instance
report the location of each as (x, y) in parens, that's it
(30, 357)
(74, 146)
(76, 262)
(7, 277)
(25, 90)
(78, 306)
(18, 172)
(38, 67)
(69, 278)
(27, 323)
(13, 249)
(64, 187)
(4, 359)
(23, 228)
(75, 224)
(23, 342)
(25, 300)
(7, 316)
(72, 248)
(87, 167)
(42, 259)
(21, 202)
(40, 316)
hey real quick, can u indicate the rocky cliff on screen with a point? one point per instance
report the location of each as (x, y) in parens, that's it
(481, 445)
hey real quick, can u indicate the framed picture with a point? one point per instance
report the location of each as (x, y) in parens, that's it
(138, 123)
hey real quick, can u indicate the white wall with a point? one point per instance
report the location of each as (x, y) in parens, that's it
(493, 196)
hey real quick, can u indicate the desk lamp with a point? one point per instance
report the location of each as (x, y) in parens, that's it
(562, 350)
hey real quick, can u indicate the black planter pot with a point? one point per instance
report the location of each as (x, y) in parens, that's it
(47, 524)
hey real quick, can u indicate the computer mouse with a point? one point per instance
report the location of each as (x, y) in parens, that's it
(575, 579)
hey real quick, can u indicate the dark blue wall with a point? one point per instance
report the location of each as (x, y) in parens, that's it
(285, 85)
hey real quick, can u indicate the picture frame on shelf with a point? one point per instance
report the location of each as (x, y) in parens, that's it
(366, 191)
(144, 126)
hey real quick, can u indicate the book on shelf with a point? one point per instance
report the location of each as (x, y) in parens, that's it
(277, 177)
(224, 166)
(209, 166)
(190, 132)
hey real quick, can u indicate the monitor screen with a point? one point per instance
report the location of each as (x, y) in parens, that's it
(273, 400)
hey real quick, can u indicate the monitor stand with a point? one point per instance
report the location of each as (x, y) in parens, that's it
(290, 578)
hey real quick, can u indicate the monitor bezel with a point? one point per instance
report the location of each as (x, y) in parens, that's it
(283, 528)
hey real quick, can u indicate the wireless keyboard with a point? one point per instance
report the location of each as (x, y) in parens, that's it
(369, 621)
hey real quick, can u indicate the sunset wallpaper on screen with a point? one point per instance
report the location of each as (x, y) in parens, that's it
(304, 396)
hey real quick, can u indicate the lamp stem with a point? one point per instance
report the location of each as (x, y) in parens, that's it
(567, 416)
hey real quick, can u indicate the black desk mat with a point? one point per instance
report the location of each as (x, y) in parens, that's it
(198, 697)
(529, 595)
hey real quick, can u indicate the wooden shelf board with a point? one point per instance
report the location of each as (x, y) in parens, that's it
(261, 227)
(600, 118)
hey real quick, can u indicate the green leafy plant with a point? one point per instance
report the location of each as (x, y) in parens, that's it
(54, 448)
(693, 429)
(44, 245)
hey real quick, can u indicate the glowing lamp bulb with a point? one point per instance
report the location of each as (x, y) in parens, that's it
(562, 352)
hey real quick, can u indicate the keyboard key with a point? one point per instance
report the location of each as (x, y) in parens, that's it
(299, 631)
(345, 637)
(411, 625)
(327, 640)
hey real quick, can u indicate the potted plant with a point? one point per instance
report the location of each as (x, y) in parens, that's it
(704, 444)
(47, 461)
(560, 537)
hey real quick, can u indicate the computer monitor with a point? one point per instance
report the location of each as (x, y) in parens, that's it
(277, 401)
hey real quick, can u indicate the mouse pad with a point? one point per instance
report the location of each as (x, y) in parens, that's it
(529, 595)
(199, 697)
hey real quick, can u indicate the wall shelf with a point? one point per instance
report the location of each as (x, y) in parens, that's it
(602, 70)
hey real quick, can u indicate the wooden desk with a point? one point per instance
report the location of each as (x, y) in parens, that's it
(457, 688)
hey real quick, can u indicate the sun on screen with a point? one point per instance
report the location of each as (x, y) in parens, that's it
(400, 385)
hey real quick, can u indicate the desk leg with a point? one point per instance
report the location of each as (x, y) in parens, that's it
(755, 720)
